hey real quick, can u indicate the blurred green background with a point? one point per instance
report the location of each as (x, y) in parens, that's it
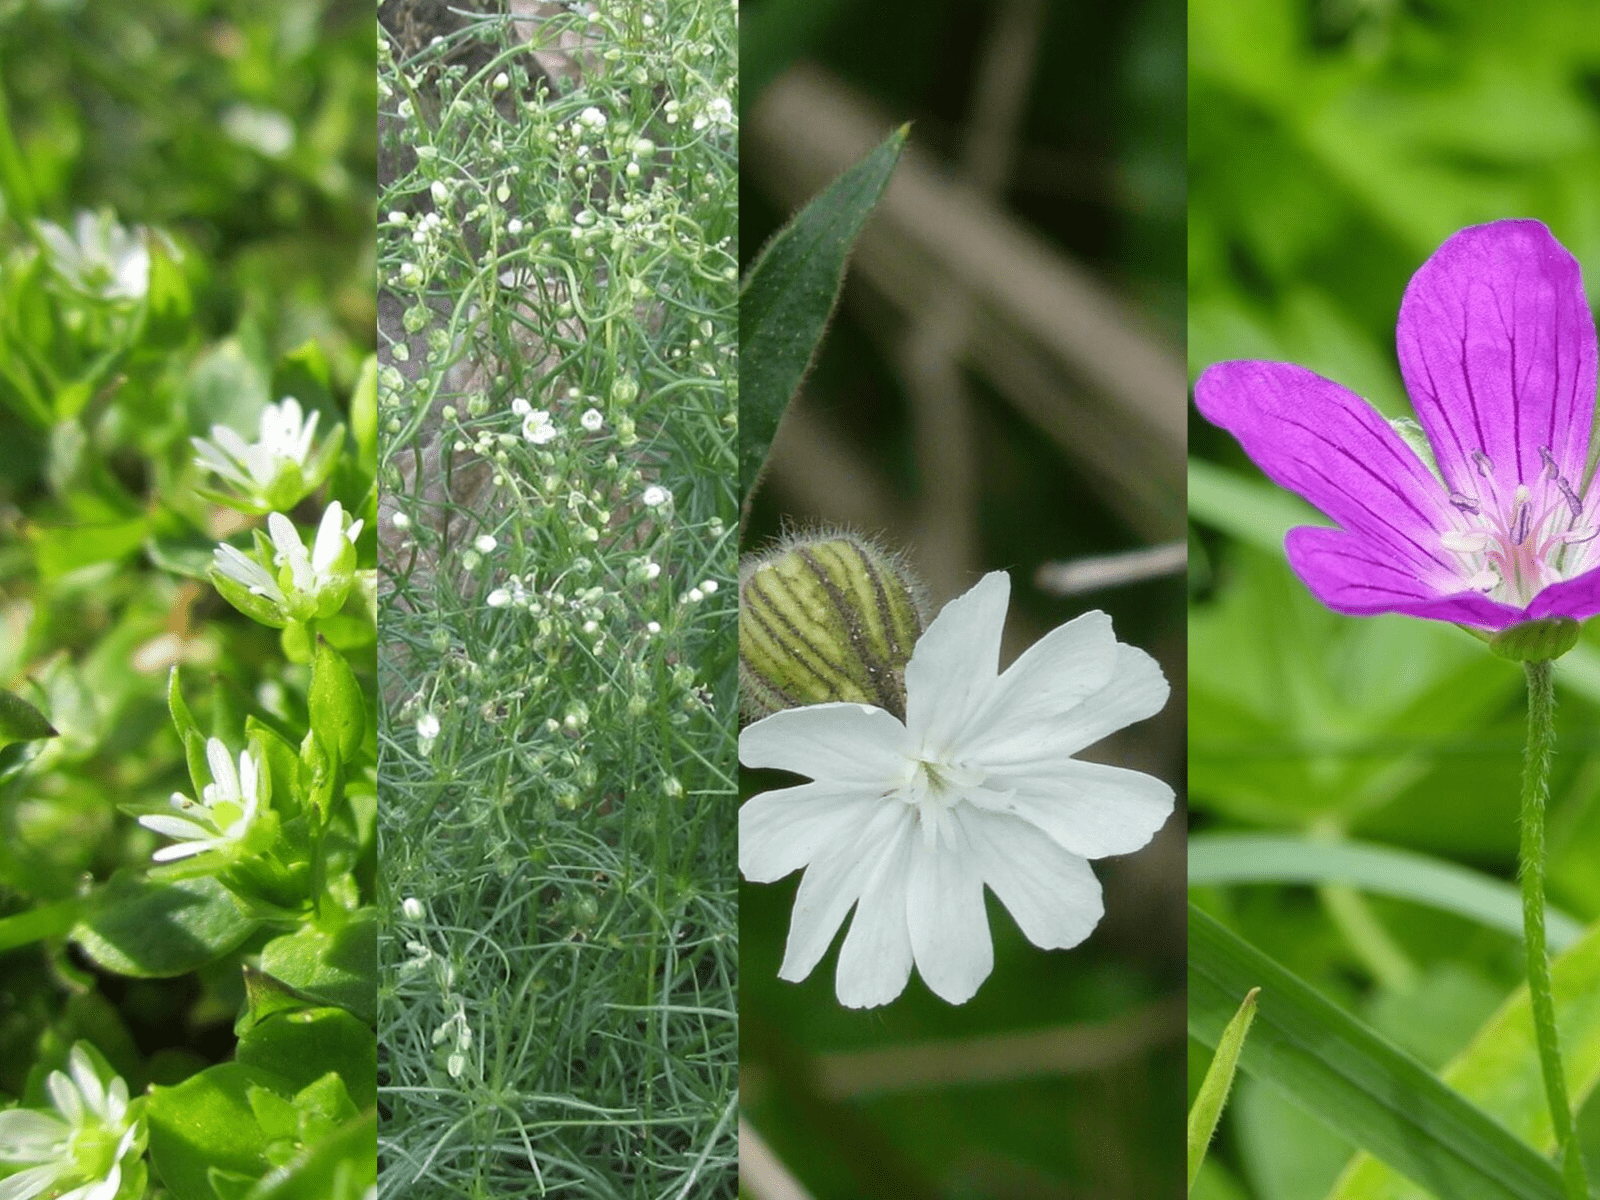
(1333, 145)
(1037, 465)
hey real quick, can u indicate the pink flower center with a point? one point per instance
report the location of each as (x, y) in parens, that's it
(1512, 543)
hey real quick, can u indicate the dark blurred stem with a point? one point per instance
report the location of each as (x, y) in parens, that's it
(1535, 795)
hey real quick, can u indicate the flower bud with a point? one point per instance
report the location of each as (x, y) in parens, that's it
(824, 618)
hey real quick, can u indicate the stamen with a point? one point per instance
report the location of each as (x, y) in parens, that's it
(1549, 462)
(1465, 503)
(1570, 496)
(1485, 467)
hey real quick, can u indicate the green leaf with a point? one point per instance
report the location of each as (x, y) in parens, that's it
(1252, 510)
(148, 929)
(303, 1046)
(1499, 1070)
(21, 721)
(207, 1123)
(45, 921)
(1226, 858)
(1207, 1107)
(788, 295)
(364, 416)
(1337, 1068)
(334, 967)
(338, 712)
(342, 1166)
(65, 548)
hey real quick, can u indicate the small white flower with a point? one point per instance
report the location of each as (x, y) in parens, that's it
(709, 587)
(326, 568)
(652, 627)
(655, 496)
(80, 1146)
(485, 543)
(592, 420)
(427, 727)
(499, 598)
(592, 118)
(652, 571)
(227, 809)
(241, 568)
(101, 257)
(514, 226)
(412, 907)
(538, 428)
(521, 407)
(907, 822)
(278, 469)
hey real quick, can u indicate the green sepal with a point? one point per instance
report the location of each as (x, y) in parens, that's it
(1536, 641)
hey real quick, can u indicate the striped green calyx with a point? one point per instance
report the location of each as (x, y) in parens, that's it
(826, 617)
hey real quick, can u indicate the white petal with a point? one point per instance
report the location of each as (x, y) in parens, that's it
(1051, 893)
(187, 849)
(954, 666)
(29, 1183)
(222, 772)
(1088, 808)
(66, 1098)
(1136, 690)
(330, 538)
(176, 827)
(840, 743)
(831, 885)
(83, 1074)
(875, 960)
(783, 830)
(1053, 676)
(945, 914)
(28, 1136)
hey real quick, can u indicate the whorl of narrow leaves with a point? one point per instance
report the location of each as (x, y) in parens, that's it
(790, 292)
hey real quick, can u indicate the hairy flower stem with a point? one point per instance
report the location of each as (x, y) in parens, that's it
(1535, 793)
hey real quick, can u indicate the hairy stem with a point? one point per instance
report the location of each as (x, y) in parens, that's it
(1535, 793)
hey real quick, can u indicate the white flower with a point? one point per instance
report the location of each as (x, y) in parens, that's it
(278, 469)
(537, 427)
(427, 727)
(592, 118)
(909, 821)
(521, 407)
(227, 809)
(80, 1146)
(592, 420)
(241, 568)
(318, 571)
(655, 496)
(101, 257)
(286, 437)
(485, 543)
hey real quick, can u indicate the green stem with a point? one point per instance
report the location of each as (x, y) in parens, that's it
(1535, 793)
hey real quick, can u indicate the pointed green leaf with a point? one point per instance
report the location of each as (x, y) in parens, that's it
(1207, 1108)
(789, 293)
(21, 721)
(1361, 1085)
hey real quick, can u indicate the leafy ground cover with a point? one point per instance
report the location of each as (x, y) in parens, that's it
(187, 458)
(557, 408)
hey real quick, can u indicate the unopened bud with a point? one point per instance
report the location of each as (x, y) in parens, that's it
(826, 618)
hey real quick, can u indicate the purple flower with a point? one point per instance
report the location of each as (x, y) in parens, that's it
(1499, 524)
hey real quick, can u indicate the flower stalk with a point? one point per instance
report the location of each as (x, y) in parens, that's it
(1535, 794)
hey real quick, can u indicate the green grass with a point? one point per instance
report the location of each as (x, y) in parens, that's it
(557, 742)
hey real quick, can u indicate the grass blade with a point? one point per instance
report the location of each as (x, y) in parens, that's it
(788, 295)
(1337, 1068)
(1227, 858)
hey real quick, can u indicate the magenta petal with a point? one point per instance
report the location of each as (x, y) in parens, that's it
(1578, 598)
(1497, 347)
(1351, 576)
(1323, 441)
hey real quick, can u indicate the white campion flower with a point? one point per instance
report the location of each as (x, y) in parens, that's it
(278, 469)
(228, 808)
(909, 821)
(75, 1152)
